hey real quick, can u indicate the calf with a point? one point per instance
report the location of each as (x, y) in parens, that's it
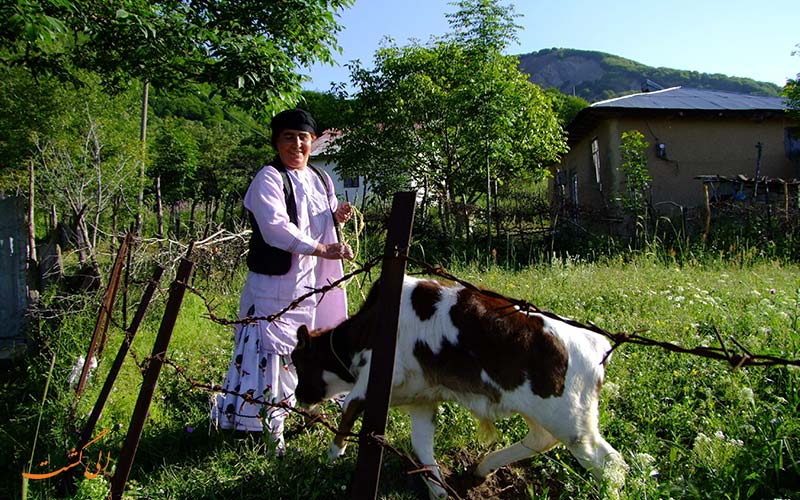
(458, 344)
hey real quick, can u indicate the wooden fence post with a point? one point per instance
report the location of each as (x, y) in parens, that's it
(156, 362)
(707, 221)
(370, 452)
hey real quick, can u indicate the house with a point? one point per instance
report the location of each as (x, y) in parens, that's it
(352, 189)
(695, 136)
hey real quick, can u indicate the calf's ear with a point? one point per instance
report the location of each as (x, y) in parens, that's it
(303, 337)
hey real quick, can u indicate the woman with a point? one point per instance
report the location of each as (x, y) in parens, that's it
(293, 249)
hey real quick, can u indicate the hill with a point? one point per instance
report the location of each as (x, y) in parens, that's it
(596, 76)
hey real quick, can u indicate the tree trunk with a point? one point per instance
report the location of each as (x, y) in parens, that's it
(80, 243)
(114, 222)
(159, 208)
(51, 268)
(175, 215)
(31, 222)
(227, 213)
(364, 195)
(192, 212)
(99, 204)
(143, 139)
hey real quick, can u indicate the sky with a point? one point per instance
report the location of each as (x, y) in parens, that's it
(741, 38)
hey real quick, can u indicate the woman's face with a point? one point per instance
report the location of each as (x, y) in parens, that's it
(294, 147)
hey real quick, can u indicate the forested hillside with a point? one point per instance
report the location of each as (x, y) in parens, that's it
(595, 76)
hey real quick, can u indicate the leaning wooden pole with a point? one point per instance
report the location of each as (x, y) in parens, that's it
(156, 362)
(379, 389)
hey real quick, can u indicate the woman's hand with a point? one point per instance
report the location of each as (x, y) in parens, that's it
(334, 251)
(343, 212)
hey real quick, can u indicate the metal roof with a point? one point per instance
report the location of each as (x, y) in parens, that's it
(680, 98)
(676, 100)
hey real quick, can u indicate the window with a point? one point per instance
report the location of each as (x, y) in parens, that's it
(596, 161)
(350, 182)
(573, 187)
(791, 142)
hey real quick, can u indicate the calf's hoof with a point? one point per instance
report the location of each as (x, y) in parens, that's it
(436, 492)
(335, 452)
(481, 472)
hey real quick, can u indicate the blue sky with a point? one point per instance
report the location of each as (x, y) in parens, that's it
(736, 37)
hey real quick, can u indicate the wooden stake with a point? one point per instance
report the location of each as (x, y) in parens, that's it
(370, 453)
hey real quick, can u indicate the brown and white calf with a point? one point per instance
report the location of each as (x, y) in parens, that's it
(457, 344)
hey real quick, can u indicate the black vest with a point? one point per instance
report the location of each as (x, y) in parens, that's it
(263, 258)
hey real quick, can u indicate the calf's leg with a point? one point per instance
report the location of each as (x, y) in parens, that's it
(578, 429)
(596, 455)
(352, 409)
(538, 440)
(422, 432)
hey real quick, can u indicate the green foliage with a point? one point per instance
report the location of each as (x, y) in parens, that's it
(566, 106)
(175, 160)
(84, 154)
(73, 137)
(198, 105)
(633, 152)
(330, 110)
(436, 116)
(247, 51)
(792, 92)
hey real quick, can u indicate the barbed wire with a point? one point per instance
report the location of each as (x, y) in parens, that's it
(311, 418)
(736, 359)
(723, 353)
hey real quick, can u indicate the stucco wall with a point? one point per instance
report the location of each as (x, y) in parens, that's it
(694, 146)
(353, 195)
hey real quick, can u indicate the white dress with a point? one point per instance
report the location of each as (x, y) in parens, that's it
(261, 366)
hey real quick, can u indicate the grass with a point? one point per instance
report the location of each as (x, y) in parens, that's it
(688, 427)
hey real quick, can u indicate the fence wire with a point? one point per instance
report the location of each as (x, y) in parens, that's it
(735, 354)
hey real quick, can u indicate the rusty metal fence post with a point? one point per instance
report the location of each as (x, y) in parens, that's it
(104, 315)
(130, 333)
(156, 362)
(370, 452)
(68, 484)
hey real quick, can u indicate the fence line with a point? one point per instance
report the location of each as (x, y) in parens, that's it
(722, 353)
(736, 359)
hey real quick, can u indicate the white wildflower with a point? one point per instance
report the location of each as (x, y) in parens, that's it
(746, 395)
(614, 473)
(611, 390)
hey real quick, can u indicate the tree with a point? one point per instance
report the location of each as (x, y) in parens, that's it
(449, 117)
(566, 106)
(792, 91)
(175, 165)
(330, 109)
(85, 158)
(248, 51)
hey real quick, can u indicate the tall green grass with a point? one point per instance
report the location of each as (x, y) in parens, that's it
(688, 427)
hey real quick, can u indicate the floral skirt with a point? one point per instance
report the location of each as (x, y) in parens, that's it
(256, 381)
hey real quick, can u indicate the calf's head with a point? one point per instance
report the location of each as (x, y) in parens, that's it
(321, 372)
